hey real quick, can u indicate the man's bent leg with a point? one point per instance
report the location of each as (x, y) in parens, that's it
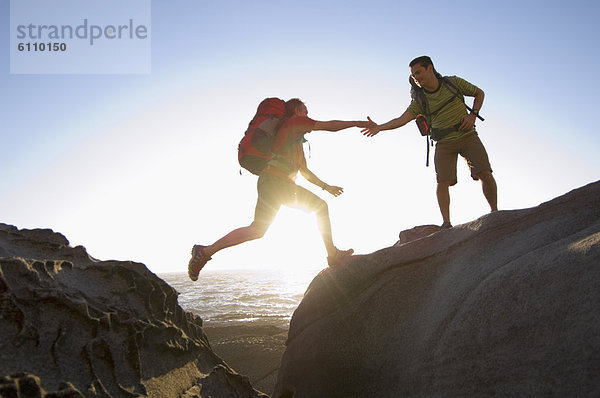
(307, 200)
(443, 197)
(479, 163)
(267, 205)
(324, 222)
(237, 236)
(490, 189)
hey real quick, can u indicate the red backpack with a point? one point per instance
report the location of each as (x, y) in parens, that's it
(254, 150)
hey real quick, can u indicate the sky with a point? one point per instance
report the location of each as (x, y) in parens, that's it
(141, 166)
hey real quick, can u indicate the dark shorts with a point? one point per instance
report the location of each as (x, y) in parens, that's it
(470, 148)
(274, 191)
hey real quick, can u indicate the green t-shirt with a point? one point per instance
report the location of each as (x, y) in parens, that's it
(451, 114)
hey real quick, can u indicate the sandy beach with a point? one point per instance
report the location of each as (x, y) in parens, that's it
(253, 350)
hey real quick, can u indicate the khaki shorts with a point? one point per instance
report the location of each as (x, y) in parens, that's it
(274, 191)
(470, 148)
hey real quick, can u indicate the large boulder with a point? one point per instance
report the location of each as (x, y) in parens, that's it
(73, 326)
(507, 305)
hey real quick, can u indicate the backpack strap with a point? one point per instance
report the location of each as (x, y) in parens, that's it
(427, 142)
(432, 114)
(457, 93)
(417, 93)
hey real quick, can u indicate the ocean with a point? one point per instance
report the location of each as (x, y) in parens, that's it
(227, 298)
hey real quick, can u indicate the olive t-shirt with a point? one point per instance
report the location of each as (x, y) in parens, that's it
(449, 115)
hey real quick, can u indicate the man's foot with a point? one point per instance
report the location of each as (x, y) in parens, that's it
(446, 225)
(340, 258)
(197, 262)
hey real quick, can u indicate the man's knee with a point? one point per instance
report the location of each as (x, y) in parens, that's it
(314, 203)
(322, 207)
(485, 176)
(444, 185)
(258, 229)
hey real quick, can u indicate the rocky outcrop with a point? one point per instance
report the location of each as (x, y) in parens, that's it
(415, 233)
(507, 305)
(73, 326)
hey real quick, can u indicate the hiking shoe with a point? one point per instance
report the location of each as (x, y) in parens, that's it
(197, 262)
(446, 225)
(340, 258)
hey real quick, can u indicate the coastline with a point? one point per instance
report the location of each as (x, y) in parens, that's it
(246, 316)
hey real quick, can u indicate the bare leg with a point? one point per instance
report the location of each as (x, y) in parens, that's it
(324, 223)
(490, 190)
(443, 197)
(235, 237)
(255, 231)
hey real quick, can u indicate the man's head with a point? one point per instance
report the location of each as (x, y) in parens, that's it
(424, 61)
(295, 107)
(423, 72)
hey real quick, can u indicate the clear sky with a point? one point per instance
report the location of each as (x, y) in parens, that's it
(140, 167)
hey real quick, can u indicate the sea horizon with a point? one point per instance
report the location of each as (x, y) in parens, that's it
(242, 296)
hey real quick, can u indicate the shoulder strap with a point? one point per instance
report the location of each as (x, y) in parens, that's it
(456, 91)
(452, 87)
(418, 95)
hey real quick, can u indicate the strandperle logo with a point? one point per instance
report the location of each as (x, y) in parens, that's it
(84, 31)
(80, 36)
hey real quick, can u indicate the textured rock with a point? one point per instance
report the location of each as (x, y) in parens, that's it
(74, 326)
(415, 233)
(507, 305)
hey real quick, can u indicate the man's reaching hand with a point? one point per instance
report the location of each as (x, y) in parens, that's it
(335, 191)
(371, 129)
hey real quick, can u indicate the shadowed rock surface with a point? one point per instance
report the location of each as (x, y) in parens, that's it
(73, 326)
(507, 305)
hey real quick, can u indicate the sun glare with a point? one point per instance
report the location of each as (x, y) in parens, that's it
(295, 241)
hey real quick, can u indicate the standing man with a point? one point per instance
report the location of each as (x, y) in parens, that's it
(451, 127)
(276, 187)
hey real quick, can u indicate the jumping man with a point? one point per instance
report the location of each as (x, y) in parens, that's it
(276, 186)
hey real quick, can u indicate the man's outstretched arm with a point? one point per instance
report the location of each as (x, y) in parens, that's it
(336, 125)
(391, 125)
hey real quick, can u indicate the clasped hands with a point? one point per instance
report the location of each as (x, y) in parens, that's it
(370, 128)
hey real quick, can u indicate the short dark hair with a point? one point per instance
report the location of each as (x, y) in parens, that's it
(291, 106)
(424, 61)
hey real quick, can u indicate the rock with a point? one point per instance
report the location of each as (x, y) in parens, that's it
(415, 233)
(39, 244)
(507, 305)
(221, 382)
(74, 326)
